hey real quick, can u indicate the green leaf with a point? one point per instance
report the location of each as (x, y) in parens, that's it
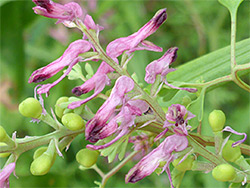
(123, 149)
(112, 155)
(235, 185)
(197, 108)
(231, 5)
(75, 73)
(177, 177)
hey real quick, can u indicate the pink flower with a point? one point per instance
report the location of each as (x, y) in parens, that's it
(69, 58)
(161, 66)
(4, 175)
(64, 13)
(164, 152)
(229, 129)
(178, 116)
(98, 81)
(125, 118)
(137, 41)
(94, 126)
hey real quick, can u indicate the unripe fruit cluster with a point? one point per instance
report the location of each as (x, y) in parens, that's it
(31, 108)
(217, 120)
(87, 157)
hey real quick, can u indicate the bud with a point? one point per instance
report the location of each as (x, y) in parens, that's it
(39, 152)
(41, 165)
(73, 121)
(230, 153)
(224, 172)
(59, 110)
(30, 107)
(2, 155)
(87, 157)
(184, 165)
(217, 120)
(3, 134)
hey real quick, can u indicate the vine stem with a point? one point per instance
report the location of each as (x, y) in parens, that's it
(118, 167)
(233, 39)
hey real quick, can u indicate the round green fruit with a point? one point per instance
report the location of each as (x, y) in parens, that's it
(224, 172)
(73, 121)
(30, 107)
(230, 153)
(217, 120)
(87, 157)
(59, 110)
(41, 165)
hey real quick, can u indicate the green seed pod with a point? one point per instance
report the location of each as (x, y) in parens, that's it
(41, 165)
(30, 107)
(224, 172)
(2, 155)
(87, 157)
(3, 134)
(217, 120)
(59, 110)
(230, 153)
(184, 165)
(73, 121)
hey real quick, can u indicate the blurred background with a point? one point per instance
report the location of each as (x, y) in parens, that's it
(30, 41)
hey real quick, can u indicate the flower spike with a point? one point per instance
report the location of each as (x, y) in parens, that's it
(137, 41)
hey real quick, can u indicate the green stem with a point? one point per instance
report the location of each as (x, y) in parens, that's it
(118, 167)
(98, 170)
(233, 39)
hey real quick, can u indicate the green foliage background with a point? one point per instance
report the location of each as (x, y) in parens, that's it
(195, 27)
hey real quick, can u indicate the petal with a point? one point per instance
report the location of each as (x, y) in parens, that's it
(229, 129)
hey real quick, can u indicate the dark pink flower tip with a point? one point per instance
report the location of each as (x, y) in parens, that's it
(5, 174)
(135, 41)
(70, 54)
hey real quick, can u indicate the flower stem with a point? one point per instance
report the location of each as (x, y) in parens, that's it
(118, 167)
(98, 170)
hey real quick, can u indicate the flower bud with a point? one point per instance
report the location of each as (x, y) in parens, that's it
(87, 157)
(59, 110)
(39, 152)
(224, 172)
(73, 121)
(230, 153)
(41, 165)
(3, 134)
(217, 120)
(30, 107)
(184, 165)
(2, 155)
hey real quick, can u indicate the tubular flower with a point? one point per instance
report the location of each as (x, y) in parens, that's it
(94, 126)
(125, 118)
(164, 152)
(69, 58)
(136, 41)
(178, 116)
(64, 13)
(5, 174)
(161, 66)
(98, 81)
